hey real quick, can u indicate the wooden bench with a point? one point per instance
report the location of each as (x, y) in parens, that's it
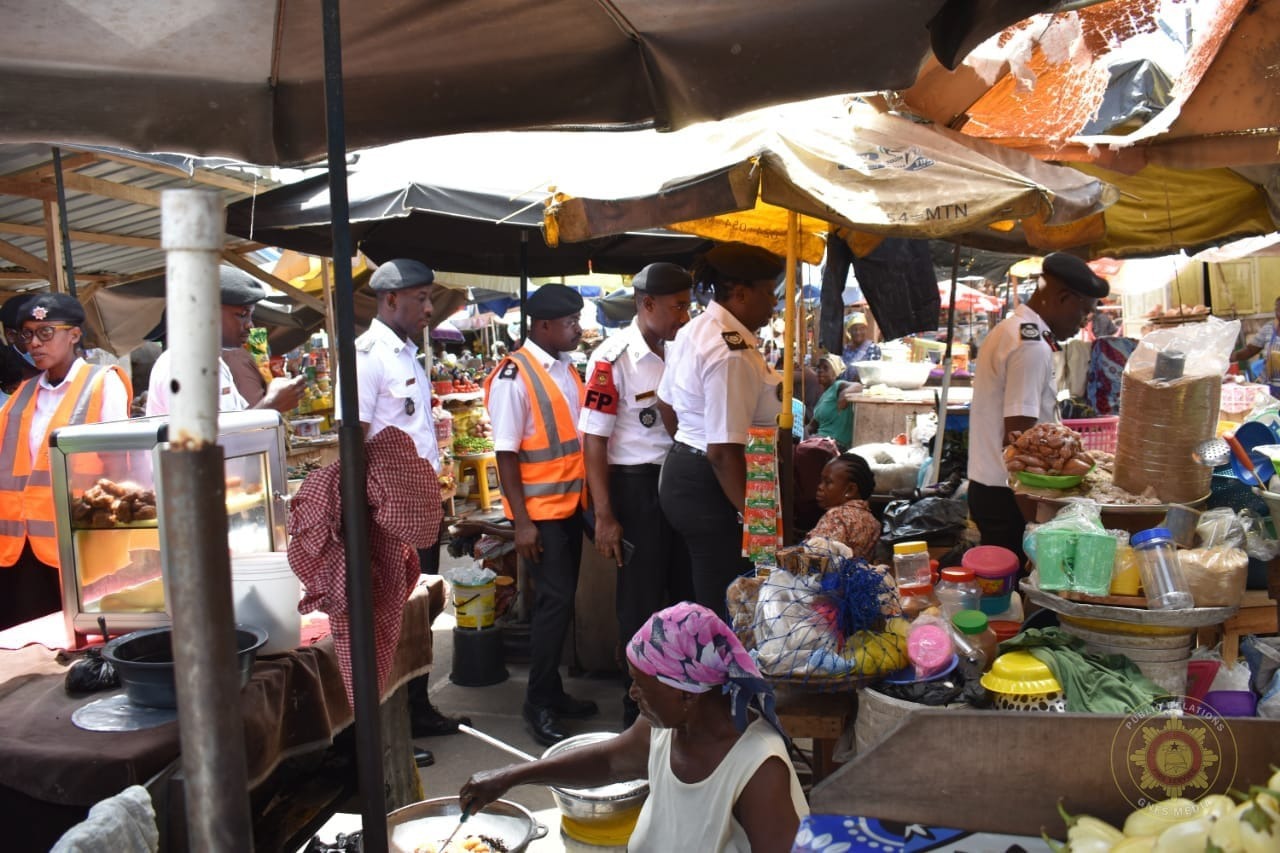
(822, 717)
(1257, 615)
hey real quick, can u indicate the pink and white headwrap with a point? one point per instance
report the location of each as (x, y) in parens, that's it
(688, 647)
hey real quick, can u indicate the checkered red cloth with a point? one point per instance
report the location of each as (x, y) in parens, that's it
(404, 514)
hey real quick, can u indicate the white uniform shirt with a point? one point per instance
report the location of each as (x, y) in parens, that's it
(115, 402)
(229, 399)
(1014, 379)
(718, 382)
(635, 431)
(509, 399)
(394, 389)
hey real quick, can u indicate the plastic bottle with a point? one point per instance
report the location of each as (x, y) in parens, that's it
(978, 633)
(1162, 578)
(957, 590)
(911, 563)
(915, 598)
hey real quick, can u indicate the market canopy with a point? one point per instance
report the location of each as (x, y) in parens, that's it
(834, 162)
(244, 78)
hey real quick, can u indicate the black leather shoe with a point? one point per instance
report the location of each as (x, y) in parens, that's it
(544, 725)
(423, 757)
(429, 722)
(574, 709)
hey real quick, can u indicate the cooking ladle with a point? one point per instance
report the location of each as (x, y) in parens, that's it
(492, 741)
(1211, 452)
(1243, 455)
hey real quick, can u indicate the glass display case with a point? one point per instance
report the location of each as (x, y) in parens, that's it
(107, 511)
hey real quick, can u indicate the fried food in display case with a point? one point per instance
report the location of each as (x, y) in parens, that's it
(108, 512)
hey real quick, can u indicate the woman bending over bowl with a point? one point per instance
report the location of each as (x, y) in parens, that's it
(707, 740)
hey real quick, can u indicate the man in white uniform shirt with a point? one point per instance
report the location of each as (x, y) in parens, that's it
(1014, 389)
(533, 396)
(239, 293)
(625, 442)
(394, 391)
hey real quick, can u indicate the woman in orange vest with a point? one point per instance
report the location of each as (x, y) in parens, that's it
(68, 390)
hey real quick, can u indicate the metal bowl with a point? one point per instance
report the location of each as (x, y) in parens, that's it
(419, 823)
(144, 660)
(605, 804)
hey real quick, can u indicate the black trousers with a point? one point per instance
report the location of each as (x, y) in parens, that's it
(999, 520)
(555, 578)
(697, 508)
(657, 574)
(29, 589)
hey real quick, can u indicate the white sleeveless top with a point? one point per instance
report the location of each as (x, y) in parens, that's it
(699, 816)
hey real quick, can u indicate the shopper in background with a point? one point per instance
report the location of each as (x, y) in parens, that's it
(66, 391)
(832, 415)
(625, 442)
(719, 387)
(1266, 341)
(1014, 388)
(239, 292)
(533, 398)
(858, 346)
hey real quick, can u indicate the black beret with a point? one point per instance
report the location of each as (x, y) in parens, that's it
(54, 308)
(238, 287)
(400, 273)
(740, 262)
(1075, 274)
(662, 279)
(11, 311)
(553, 301)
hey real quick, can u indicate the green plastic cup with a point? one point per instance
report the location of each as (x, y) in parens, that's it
(1095, 559)
(1055, 558)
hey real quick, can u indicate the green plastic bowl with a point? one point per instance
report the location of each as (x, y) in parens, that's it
(1050, 481)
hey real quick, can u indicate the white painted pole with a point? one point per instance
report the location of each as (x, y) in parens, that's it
(192, 234)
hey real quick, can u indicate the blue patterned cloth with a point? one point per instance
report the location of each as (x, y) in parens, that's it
(826, 833)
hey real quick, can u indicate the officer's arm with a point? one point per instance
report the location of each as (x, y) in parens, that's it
(670, 420)
(1012, 425)
(729, 461)
(608, 532)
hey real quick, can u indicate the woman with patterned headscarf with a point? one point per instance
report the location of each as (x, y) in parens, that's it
(707, 740)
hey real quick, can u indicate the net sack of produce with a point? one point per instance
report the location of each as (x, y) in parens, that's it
(817, 628)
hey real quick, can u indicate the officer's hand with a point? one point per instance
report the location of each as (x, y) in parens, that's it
(284, 395)
(528, 542)
(609, 537)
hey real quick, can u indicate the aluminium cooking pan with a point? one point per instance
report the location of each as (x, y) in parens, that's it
(420, 823)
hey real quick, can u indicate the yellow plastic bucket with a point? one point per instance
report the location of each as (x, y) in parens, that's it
(473, 605)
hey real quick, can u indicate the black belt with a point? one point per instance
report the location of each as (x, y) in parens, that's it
(681, 447)
(648, 469)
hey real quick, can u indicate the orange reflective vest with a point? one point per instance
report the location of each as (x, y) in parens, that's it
(26, 486)
(552, 467)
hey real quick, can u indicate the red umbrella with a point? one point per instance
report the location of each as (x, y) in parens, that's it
(968, 299)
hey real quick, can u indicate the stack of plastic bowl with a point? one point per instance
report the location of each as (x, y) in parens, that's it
(1017, 681)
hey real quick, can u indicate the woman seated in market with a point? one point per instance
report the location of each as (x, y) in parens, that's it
(832, 414)
(707, 740)
(846, 485)
(66, 391)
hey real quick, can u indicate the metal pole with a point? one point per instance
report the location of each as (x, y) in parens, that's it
(355, 507)
(786, 456)
(524, 285)
(946, 373)
(69, 267)
(193, 522)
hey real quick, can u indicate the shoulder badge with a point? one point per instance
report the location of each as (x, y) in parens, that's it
(733, 340)
(509, 371)
(601, 394)
(1029, 331)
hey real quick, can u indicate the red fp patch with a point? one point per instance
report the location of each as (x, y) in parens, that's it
(602, 394)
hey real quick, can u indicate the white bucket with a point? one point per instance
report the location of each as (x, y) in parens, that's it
(265, 593)
(1162, 657)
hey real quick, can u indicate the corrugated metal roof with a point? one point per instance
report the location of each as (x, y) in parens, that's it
(22, 218)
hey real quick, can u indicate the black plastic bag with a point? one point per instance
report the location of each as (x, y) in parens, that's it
(90, 674)
(922, 519)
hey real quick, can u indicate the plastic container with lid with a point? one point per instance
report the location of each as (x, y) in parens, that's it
(929, 649)
(916, 597)
(1162, 578)
(911, 563)
(977, 633)
(996, 571)
(957, 590)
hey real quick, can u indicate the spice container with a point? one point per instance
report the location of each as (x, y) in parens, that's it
(911, 563)
(1162, 577)
(957, 590)
(915, 598)
(978, 633)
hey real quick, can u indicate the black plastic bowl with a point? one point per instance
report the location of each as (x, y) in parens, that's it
(144, 660)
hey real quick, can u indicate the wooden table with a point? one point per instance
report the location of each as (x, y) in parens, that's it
(822, 717)
(878, 419)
